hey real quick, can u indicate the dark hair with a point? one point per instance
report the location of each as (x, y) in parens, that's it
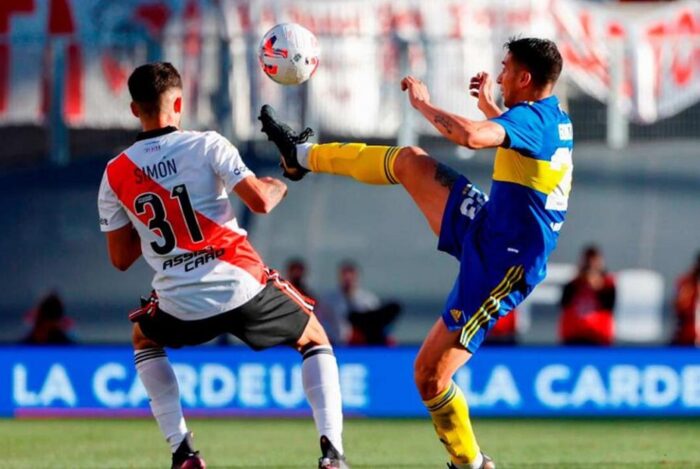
(296, 262)
(348, 265)
(591, 250)
(539, 56)
(148, 82)
(50, 308)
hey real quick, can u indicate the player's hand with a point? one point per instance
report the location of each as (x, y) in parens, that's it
(279, 185)
(481, 87)
(417, 91)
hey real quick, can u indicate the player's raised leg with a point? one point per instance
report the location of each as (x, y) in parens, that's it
(440, 356)
(427, 181)
(321, 381)
(158, 378)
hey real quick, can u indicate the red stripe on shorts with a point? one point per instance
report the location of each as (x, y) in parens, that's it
(305, 303)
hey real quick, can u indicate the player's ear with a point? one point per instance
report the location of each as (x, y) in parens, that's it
(177, 105)
(525, 78)
(135, 110)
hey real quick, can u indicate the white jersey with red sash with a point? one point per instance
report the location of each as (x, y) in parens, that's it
(173, 187)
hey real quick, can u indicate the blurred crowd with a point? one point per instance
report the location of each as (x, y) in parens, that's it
(587, 306)
(354, 315)
(48, 323)
(687, 306)
(351, 314)
(588, 303)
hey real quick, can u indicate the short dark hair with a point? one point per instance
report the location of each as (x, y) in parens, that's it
(296, 262)
(50, 308)
(539, 56)
(348, 265)
(148, 82)
(591, 250)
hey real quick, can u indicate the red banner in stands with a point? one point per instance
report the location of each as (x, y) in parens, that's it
(99, 42)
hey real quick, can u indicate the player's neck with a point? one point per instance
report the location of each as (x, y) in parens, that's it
(535, 95)
(158, 122)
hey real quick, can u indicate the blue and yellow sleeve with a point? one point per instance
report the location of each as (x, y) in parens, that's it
(523, 128)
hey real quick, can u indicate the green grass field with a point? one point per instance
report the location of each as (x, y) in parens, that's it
(268, 443)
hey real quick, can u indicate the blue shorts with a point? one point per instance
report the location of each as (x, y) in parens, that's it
(491, 280)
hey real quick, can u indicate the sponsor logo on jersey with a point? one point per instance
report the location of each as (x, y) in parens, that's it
(152, 147)
(240, 170)
(566, 132)
(157, 170)
(192, 260)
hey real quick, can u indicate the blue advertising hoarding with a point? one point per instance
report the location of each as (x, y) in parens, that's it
(91, 381)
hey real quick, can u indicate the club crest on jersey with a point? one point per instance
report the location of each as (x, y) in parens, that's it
(456, 314)
(157, 170)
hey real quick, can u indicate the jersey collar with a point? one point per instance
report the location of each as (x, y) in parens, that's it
(553, 100)
(155, 133)
(548, 101)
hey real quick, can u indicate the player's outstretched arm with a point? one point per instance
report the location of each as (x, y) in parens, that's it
(463, 131)
(261, 195)
(124, 246)
(460, 130)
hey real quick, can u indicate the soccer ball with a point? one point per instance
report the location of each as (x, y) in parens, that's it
(289, 54)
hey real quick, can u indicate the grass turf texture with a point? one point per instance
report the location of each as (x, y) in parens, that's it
(274, 443)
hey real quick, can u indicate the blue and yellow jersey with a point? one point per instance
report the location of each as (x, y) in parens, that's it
(532, 174)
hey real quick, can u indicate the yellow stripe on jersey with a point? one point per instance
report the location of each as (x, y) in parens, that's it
(511, 166)
(491, 305)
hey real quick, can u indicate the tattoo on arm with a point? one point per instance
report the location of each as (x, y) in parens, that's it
(444, 123)
(446, 176)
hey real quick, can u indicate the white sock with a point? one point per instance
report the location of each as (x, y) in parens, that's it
(303, 154)
(476, 464)
(159, 380)
(319, 374)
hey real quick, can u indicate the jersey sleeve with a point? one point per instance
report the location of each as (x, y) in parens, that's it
(112, 214)
(227, 162)
(524, 129)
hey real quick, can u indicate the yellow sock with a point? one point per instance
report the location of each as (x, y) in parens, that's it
(371, 164)
(450, 415)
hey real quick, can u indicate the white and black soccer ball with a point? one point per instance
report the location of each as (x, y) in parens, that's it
(289, 54)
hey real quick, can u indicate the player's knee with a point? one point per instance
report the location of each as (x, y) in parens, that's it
(412, 160)
(428, 380)
(314, 334)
